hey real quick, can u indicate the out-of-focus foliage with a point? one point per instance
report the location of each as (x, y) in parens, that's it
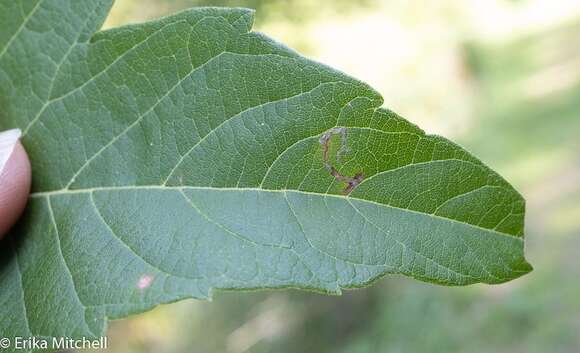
(504, 78)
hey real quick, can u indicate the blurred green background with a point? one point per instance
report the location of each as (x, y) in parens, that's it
(500, 77)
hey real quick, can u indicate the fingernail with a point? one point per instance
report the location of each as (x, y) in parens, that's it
(8, 140)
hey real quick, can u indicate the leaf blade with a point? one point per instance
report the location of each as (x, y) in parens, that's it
(184, 154)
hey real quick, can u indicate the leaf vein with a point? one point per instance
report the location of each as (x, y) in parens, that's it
(22, 26)
(125, 245)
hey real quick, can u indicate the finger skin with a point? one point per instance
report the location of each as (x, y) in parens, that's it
(14, 188)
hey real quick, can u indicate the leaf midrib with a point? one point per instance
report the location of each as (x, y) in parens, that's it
(49, 194)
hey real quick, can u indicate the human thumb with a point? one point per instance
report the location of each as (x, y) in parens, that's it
(15, 179)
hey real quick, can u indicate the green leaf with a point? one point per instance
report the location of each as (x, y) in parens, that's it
(188, 154)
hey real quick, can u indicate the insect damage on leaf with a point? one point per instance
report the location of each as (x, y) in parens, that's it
(324, 140)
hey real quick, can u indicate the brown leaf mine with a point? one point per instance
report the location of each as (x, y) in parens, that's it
(324, 140)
